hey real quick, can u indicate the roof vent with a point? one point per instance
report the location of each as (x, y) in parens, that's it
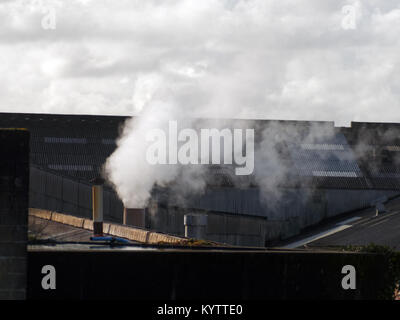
(379, 205)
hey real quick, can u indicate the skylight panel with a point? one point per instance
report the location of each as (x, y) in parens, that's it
(347, 174)
(321, 146)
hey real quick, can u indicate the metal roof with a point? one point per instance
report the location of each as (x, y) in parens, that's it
(362, 227)
(73, 145)
(78, 146)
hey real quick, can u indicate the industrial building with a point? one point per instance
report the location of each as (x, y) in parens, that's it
(60, 205)
(325, 171)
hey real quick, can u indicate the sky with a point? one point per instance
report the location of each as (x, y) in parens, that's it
(300, 60)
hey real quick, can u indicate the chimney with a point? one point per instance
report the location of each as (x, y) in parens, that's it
(97, 205)
(195, 225)
(135, 217)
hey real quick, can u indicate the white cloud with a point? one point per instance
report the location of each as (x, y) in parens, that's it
(243, 58)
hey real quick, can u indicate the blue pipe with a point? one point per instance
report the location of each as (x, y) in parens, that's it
(111, 239)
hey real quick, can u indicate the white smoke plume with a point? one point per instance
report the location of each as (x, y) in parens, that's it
(134, 178)
(128, 168)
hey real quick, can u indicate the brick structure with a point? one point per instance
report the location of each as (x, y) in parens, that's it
(14, 186)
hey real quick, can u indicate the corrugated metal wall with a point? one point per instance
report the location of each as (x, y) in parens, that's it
(306, 206)
(283, 204)
(59, 193)
(339, 201)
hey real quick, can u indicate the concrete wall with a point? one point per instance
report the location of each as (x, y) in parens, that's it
(14, 182)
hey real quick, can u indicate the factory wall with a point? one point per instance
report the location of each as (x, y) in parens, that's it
(239, 217)
(14, 180)
(234, 229)
(309, 205)
(236, 216)
(339, 200)
(221, 227)
(54, 192)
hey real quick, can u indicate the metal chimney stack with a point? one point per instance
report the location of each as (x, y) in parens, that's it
(195, 225)
(135, 217)
(97, 205)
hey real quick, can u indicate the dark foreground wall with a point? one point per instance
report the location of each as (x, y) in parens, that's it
(191, 274)
(14, 182)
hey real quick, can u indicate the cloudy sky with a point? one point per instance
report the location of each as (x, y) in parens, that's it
(279, 59)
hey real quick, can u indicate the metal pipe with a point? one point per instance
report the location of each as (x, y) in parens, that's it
(195, 225)
(111, 239)
(97, 205)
